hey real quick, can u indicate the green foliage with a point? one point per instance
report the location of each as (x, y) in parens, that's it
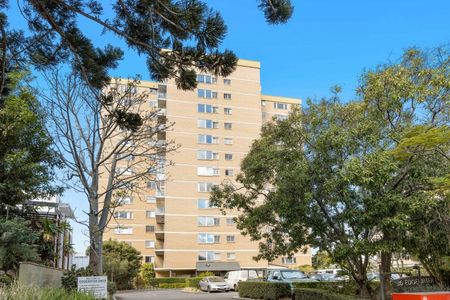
(321, 260)
(26, 158)
(340, 287)
(17, 243)
(193, 282)
(5, 281)
(156, 282)
(264, 290)
(191, 29)
(205, 274)
(307, 269)
(355, 179)
(69, 279)
(16, 292)
(176, 285)
(147, 272)
(122, 263)
(317, 294)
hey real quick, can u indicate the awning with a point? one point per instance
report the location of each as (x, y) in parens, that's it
(217, 266)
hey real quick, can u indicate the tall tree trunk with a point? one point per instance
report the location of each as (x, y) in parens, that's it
(385, 276)
(96, 239)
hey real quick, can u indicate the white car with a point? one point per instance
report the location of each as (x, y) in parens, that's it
(234, 277)
(214, 284)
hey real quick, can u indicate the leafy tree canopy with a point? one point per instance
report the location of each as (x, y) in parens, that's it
(27, 161)
(122, 263)
(348, 178)
(191, 29)
(17, 243)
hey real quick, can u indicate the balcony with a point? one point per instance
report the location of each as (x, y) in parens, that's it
(159, 235)
(159, 248)
(160, 215)
(162, 103)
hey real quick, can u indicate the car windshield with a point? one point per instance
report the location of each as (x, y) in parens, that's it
(215, 279)
(292, 274)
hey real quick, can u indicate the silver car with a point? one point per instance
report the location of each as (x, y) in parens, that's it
(214, 284)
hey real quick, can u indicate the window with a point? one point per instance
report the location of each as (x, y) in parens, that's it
(228, 141)
(125, 156)
(208, 221)
(207, 108)
(207, 155)
(230, 238)
(263, 102)
(149, 259)
(124, 171)
(153, 91)
(207, 124)
(152, 185)
(208, 238)
(205, 187)
(208, 94)
(264, 115)
(207, 171)
(204, 204)
(279, 105)
(206, 79)
(123, 230)
(228, 156)
(231, 255)
(150, 214)
(227, 125)
(149, 228)
(227, 111)
(149, 244)
(227, 96)
(207, 139)
(208, 256)
(151, 199)
(123, 215)
(226, 81)
(125, 200)
(288, 260)
(281, 117)
(230, 221)
(229, 172)
(153, 103)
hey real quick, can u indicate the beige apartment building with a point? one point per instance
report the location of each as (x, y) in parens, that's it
(174, 227)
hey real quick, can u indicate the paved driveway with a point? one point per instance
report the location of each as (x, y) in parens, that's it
(172, 295)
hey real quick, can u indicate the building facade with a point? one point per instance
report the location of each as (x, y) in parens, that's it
(175, 227)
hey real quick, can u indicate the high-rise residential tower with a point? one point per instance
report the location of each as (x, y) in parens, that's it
(175, 227)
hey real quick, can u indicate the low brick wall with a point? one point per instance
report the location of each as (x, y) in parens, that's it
(31, 274)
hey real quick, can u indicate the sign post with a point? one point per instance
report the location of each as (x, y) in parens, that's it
(97, 286)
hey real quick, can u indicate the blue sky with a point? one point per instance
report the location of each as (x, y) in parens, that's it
(327, 42)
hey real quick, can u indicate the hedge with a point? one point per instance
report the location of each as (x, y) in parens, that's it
(177, 285)
(317, 294)
(156, 282)
(264, 290)
(193, 282)
(339, 287)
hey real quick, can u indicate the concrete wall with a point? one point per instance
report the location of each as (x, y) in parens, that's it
(31, 274)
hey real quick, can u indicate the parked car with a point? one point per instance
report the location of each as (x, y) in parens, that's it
(214, 284)
(234, 277)
(324, 277)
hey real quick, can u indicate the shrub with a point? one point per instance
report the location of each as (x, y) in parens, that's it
(69, 278)
(122, 263)
(317, 294)
(339, 287)
(193, 282)
(16, 292)
(176, 285)
(5, 280)
(156, 282)
(206, 274)
(264, 290)
(147, 272)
